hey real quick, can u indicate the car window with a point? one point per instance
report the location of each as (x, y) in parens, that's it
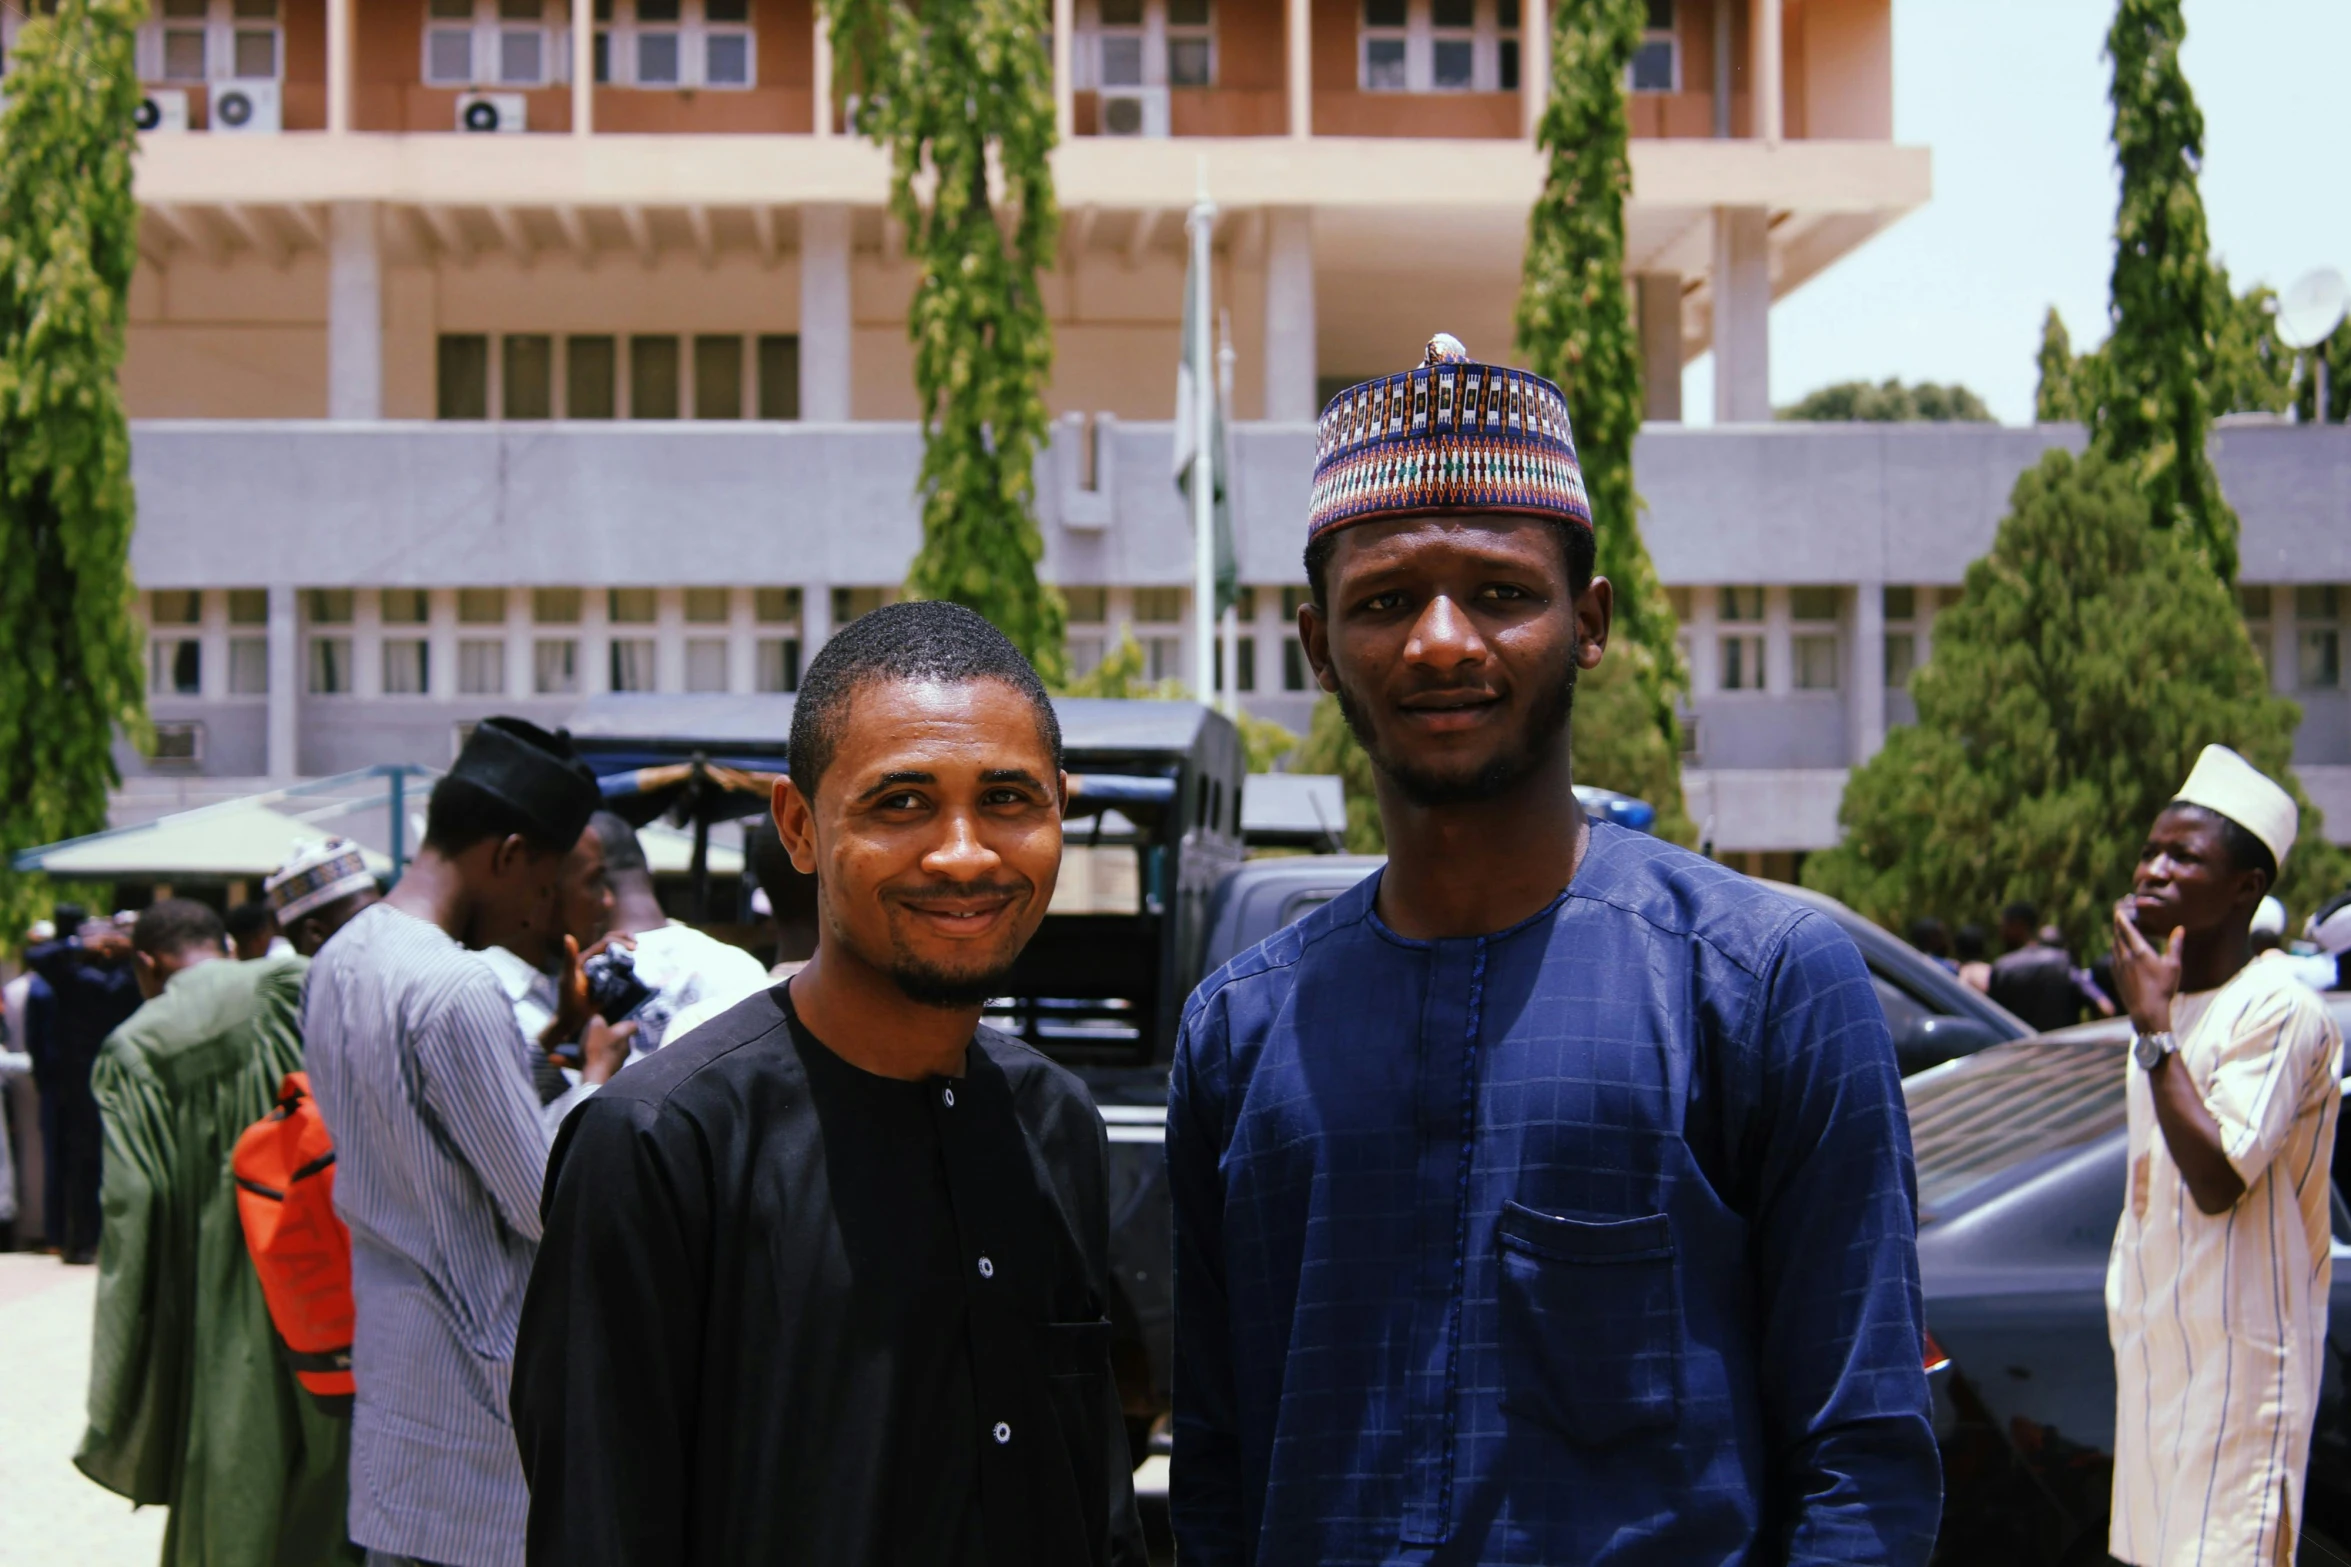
(1305, 903)
(1904, 1011)
(1980, 1118)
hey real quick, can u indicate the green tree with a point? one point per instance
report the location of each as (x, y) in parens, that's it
(956, 90)
(1265, 745)
(1575, 326)
(1331, 747)
(2169, 303)
(2251, 371)
(67, 247)
(2055, 400)
(2093, 656)
(2336, 352)
(1890, 402)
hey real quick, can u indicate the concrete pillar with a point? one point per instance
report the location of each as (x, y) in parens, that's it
(1779, 642)
(285, 681)
(1534, 61)
(339, 20)
(583, 68)
(1865, 672)
(823, 94)
(355, 313)
(1770, 116)
(1742, 315)
(825, 321)
(441, 635)
(1722, 69)
(1065, 26)
(1298, 60)
(1289, 316)
(816, 619)
(1659, 295)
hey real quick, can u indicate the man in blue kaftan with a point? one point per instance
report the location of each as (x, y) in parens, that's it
(1546, 1198)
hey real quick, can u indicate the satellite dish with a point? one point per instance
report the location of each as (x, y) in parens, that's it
(2312, 308)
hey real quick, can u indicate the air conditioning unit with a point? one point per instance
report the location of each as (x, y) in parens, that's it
(179, 744)
(1134, 111)
(161, 109)
(492, 111)
(246, 109)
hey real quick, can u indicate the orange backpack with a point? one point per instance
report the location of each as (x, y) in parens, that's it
(285, 1172)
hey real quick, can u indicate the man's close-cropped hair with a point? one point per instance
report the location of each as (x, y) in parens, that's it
(930, 640)
(624, 855)
(176, 925)
(249, 918)
(1576, 548)
(462, 813)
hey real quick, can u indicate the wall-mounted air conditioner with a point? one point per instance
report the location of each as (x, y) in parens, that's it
(161, 109)
(245, 109)
(1134, 111)
(178, 745)
(492, 111)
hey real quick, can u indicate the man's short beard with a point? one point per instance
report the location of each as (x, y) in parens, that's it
(1547, 720)
(926, 985)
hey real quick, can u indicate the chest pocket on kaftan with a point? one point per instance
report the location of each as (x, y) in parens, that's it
(1591, 1323)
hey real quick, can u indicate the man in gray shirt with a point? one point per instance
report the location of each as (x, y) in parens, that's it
(424, 1080)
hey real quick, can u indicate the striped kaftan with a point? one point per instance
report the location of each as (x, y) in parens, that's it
(2219, 1321)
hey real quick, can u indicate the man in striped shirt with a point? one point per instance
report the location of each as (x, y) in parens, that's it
(425, 1082)
(2216, 1297)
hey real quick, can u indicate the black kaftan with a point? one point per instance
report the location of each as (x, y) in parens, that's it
(788, 1311)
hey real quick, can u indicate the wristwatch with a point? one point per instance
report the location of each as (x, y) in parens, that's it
(2150, 1049)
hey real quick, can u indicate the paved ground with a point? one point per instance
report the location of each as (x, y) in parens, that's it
(49, 1514)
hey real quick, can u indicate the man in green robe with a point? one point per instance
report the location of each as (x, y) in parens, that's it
(191, 1405)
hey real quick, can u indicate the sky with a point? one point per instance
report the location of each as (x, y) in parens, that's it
(2011, 97)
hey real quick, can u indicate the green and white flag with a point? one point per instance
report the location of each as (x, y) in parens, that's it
(1187, 439)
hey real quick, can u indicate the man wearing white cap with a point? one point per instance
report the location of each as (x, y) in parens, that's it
(316, 893)
(2216, 1296)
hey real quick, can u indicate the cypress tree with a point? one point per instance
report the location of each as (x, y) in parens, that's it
(71, 681)
(949, 88)
(1575, 326)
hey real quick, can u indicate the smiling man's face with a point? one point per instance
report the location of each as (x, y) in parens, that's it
(935, 836)
(1453, 644)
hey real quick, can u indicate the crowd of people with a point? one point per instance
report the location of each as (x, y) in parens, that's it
(1547, 1197)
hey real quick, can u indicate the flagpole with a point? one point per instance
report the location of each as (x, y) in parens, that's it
(1203, 346)
(1229, 627)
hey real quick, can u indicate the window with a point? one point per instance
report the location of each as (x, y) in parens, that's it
(1815, 657)
(1506, 41)
(1191, 44)
(1901, 659)
(1087, 605)
(1813, 604)
(1901, 603)
(330, 666)
(675, 43)
(849, 603)
(653, 378)
(1245, 666)
(1741, 663)
(329, 606)
(555, 606)
(462, 372)
(1384, 46)
(1120, 43)
(503, 43)
(2257, 605)
(209, 40)
(405, 607)
(481, 606)
(632, 663)
(631, 606)
(555, 666)
(175, 666)
(248, 606)
(1453, 45)
(481, 667)
(1740, 604)
(1159, 605)
(529, 363)
(776, 606)
(2319, 637)
(718, 378)
(1657, 63)
(707, 606)
(408, 665)
(1084, 651)
(779, 376)
(1163, 658)
(590, 375)
(175, 606)
(1439, 45)
(1293, 665)
(706, 664)
(248, 666)
(778, 664)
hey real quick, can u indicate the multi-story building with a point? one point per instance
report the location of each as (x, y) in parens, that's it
(478, 361)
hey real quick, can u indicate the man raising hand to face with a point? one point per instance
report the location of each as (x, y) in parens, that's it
(825, 1280)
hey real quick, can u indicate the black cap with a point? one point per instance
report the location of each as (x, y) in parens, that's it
(537, 773)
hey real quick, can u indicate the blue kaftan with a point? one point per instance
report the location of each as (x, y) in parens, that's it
(1587, 1241)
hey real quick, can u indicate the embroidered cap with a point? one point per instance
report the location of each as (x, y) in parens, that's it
(2225, 783)
(319, 874)
(1450, 436)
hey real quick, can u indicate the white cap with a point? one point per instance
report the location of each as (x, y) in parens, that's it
(318, 874)
(42, 930)
(2270, 918)
(2225, 783)
(2330, 927)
